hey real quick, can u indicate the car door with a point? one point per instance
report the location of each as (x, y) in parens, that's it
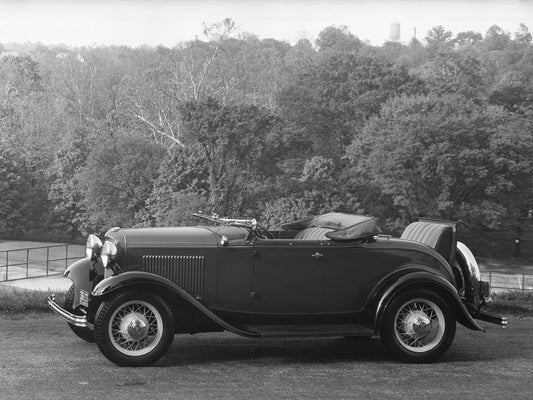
(312, 276)
(235, 271)
(288, 276)
(348, 276)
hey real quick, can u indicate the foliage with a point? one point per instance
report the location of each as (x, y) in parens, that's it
(439, 39)
(338, 39)
(315, 192)
(180, 189)
(98, 136)
(234, 143)
(117, 180)
(14, 190)
(334, 97)
(496, 39)
(446, 157)
(453, 73)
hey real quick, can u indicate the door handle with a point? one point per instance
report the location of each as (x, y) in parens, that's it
(317, 255)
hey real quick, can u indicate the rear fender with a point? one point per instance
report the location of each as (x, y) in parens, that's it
(421, 279)
(142, 279)
(471, 275)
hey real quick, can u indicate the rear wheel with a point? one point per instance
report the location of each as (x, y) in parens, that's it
(83, 333)
(418, 326)
(134, 329)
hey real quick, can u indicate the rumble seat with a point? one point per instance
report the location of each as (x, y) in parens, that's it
(438, 235)
(313, 233)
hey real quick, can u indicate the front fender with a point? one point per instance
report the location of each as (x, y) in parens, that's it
(84, 275)
(139, 278)
(421, 279)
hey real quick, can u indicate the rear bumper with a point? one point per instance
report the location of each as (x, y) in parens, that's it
(484, 295)
(73, 319)
(493, 318)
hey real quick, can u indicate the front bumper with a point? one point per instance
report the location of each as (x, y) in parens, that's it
(73, 319)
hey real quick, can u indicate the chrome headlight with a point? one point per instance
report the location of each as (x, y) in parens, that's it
(109, 253)
(93, 247)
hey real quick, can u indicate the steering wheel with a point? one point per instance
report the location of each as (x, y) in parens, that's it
(262, 233)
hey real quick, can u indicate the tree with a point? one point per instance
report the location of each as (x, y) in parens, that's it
(180, 189)
(315, 192)
(194, 71)
(65, 192)
(438, 39)
(327, 101)
(337, 39)
(453, 72)
(19, 75)
(468, 38)
(27, 134)
(445, 157)
(234, 142)
(514, 96)
(522, 36)
(14, 189)
(496, 39)
(118, 179)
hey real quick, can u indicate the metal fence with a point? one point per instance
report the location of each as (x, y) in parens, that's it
(38, 261)
(503, 282)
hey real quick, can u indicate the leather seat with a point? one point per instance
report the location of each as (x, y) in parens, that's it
(313, 233)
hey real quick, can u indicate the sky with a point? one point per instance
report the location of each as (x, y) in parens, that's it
(169, 22)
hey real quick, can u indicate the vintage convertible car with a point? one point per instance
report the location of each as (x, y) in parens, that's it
(329, 275)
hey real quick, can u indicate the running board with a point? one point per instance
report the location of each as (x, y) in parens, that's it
(293, 331)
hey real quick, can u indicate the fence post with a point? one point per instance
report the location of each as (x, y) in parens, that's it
(523, 282)
(27, 261)
(47, 258)
(7, 264)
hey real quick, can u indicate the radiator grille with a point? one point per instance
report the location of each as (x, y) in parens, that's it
(186, 271)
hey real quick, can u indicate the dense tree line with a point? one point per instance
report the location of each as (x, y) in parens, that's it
(97, 137)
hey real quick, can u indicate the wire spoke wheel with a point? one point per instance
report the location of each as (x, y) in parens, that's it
(418, 326)
(134, 329)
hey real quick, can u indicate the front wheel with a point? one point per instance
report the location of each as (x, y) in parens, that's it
(418, 326)
(134, 329)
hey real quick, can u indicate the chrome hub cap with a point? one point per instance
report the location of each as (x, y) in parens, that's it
(419, 325)
(135, 328)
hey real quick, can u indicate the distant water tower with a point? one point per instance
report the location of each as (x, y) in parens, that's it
(394, 32)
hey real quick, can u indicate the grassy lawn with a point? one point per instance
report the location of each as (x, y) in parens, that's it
(515, 303)
(15, 300)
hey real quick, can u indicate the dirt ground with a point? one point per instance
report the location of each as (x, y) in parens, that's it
(42, 359)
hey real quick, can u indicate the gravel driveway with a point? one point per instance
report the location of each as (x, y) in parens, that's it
(42, 359)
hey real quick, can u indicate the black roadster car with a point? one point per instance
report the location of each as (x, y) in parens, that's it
(329, 275)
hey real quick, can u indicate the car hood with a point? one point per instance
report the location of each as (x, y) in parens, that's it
(164, 237)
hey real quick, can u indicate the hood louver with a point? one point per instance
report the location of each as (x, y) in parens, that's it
(186, 271)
